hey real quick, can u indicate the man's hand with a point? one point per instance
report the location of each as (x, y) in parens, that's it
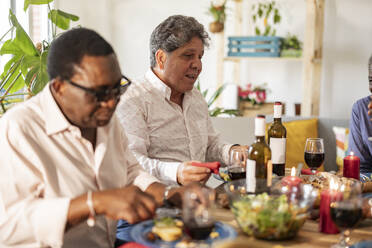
(176, 195)
(188, 173)
(128, 203)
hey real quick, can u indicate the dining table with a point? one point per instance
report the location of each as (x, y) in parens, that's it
(308, 236)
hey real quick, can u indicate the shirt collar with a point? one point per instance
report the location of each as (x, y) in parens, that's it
(54, 118)
(158, 84)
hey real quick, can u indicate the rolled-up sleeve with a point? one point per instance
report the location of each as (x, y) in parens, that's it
(25, 216)
(133, 121)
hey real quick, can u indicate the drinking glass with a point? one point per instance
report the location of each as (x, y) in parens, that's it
(314, 153)
(236, 166)
(346, 211)
(196, 213)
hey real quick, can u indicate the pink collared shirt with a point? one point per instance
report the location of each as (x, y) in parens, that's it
(161, 134)
(45, 162)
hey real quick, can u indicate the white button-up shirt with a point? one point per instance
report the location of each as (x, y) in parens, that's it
(161, 134)
(45, 162)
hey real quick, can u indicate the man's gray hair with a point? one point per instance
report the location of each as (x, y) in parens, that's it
(173, 33)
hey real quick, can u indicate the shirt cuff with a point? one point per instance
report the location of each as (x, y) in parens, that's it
(168, 171)
(49, 220)
(144, 180)
(225, 153)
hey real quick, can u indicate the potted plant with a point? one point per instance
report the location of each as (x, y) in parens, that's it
(266, 17)
(291, 46)
(26, 69)
(216, 111)
(217, 10)
(252, 96)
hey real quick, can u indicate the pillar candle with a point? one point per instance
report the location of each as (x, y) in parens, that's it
(351, 166)
(326, 224)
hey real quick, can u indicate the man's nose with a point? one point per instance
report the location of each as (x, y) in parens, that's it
(110, 103)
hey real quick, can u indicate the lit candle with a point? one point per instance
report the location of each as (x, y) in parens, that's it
(328, 196)
(351, 166)
(292, 180)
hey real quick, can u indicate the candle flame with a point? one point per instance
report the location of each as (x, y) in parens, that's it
(333, 185)
(293, 172)
(351, 153)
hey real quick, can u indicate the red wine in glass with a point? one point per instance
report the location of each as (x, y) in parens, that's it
(236, 173)
(197, 232)
(314, 160)
(345, 215)
(314, 153)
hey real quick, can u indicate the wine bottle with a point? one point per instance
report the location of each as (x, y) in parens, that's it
(277, 138)
(259, 154)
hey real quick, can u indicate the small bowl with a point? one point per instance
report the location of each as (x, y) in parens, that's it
(272, 213)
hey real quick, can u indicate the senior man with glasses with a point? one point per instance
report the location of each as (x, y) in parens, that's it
(64, 155)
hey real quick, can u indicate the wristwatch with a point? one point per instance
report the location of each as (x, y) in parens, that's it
(166, 193)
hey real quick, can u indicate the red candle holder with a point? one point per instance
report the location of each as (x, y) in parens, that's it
(351, 166)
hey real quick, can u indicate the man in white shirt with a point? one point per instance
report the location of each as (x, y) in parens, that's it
(65, 158)
(165, 118)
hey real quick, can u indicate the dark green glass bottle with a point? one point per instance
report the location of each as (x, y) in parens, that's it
(259, 152)
(277, 138)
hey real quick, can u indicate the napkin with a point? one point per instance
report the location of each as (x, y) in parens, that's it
(214, 166)
(306, 172)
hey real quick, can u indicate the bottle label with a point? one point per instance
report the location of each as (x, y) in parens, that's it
(277, 146)
(250, 175)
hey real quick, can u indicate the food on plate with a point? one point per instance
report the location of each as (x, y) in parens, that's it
(268, 217)
(168, 229)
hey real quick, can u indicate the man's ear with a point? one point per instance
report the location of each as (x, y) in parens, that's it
(58, 86)
(161, 58)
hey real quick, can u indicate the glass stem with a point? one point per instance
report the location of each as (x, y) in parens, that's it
(345, 239)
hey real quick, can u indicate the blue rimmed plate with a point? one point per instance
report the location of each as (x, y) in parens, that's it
(362, 244)
(140, 230)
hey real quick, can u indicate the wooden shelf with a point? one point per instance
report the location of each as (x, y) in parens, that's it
(266, 59)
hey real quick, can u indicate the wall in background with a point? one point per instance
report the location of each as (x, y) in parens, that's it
(346, 48)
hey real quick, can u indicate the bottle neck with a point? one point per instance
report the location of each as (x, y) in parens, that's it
(260, 139)
(278, 120)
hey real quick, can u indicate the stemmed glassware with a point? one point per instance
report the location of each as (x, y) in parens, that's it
(236, 166)
(196, 213)
(346, 211)
(314, 153)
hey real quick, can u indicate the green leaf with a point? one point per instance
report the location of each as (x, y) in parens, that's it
(260, 12)
(257, 30)
(10, 78)
(9, 47)
(254, 18)
(277, 18)
(216, 95)
(22, 40)
(61, 19)
(40, 76)
(36, 2)
(267, 30)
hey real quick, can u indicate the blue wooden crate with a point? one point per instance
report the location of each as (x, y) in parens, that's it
(250, 46)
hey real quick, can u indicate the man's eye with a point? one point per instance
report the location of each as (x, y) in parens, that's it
(188, 55)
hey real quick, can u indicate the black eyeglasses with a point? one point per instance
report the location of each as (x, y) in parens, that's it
(106, 94)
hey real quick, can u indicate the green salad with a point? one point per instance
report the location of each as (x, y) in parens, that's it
(268, 217)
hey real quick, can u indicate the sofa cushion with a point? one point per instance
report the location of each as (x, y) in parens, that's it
(297, 133)
(342, 136)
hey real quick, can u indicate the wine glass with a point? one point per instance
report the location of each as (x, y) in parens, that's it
(196, 213)
(236, 166)
(314, 153)
(347, 210)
